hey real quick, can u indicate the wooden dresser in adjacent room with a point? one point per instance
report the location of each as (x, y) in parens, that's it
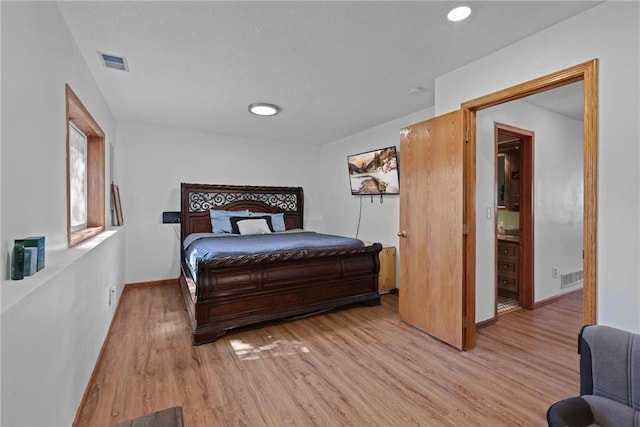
(507, 268)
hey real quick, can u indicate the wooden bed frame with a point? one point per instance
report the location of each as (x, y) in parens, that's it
(230, 292)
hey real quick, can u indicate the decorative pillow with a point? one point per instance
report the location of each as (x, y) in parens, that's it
(252, 225)
(220, 219)
(277, 219)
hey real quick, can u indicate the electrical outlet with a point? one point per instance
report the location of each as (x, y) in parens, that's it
(112, 295)
(554, 272)
(489, 213)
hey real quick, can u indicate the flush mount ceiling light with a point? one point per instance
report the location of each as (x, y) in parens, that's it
(458, 13)
(264, 109)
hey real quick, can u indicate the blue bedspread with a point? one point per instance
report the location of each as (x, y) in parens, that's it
(208, 246)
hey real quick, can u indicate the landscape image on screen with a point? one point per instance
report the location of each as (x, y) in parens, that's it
(374, 172)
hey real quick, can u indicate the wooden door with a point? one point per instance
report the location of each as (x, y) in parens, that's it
(431, 227)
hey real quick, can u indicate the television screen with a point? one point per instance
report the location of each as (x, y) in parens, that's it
(374, 172)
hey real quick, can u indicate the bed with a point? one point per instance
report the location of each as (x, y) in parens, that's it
(232, 290)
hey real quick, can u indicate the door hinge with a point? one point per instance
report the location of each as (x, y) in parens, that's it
(465, 322)
(466, 136)
(465, 229)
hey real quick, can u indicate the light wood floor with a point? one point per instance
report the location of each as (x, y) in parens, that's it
(357, 367)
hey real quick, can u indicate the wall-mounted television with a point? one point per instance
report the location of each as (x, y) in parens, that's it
(374, 172)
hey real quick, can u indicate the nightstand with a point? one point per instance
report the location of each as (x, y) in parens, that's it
(387, 274)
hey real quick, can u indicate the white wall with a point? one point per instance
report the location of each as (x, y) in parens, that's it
(53, 323)
(340, 210)
(51, 340)
(53, 326)
(153, 161)
(609, 32)
(558, 198)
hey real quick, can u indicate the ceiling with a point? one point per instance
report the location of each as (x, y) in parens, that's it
(335, 68)
(566, 100)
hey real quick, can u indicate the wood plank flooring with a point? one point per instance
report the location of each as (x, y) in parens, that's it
(360, 366)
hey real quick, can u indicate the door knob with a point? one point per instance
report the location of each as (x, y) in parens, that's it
(402, 233)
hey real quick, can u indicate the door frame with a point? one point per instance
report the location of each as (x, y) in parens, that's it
(526, 244)
(586, 72)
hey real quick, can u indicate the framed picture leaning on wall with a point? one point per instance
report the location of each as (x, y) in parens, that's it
(117, 207)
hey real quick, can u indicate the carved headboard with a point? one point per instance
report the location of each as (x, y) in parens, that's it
(198, 199)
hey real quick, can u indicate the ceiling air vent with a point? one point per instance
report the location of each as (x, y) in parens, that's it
(114, 61)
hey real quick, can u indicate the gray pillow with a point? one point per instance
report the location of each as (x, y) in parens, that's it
(220, 219)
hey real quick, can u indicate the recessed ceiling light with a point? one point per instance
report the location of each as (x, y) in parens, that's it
(264, 109)
(459, 13)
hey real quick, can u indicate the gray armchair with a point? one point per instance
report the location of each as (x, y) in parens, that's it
(609, 382)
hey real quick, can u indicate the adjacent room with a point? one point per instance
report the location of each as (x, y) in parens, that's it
(313, 213)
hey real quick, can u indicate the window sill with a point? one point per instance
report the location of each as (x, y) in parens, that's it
(56, 261)
(77, 237)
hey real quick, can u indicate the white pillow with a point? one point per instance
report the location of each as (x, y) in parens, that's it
(277, 220)
(253, 226)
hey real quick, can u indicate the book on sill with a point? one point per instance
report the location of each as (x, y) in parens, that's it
(38, 243)
(30, 261)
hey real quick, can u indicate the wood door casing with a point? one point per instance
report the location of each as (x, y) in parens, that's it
(588, 73)
(431, 213)
(526, 244)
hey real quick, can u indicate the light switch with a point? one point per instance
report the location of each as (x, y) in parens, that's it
(489, 213)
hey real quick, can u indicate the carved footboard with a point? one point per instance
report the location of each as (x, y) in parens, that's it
(238, 291)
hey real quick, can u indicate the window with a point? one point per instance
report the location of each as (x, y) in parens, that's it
(77, 178)
(85, 172)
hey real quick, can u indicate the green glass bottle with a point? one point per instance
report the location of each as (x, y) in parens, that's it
(17, 272)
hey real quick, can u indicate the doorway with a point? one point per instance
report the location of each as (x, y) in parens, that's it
(514, 223)
(587, 73)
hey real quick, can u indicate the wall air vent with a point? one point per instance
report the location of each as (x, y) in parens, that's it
(571, 279)
(114, 61)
